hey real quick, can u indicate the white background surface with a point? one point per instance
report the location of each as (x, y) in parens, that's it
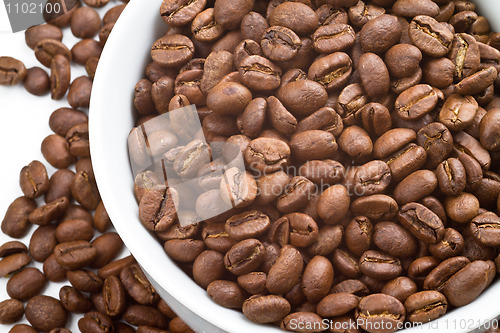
(23, 127)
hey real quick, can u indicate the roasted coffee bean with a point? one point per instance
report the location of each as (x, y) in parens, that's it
(52, 270)
(302, 318)
(37, 33)
(484, 228)
(421, 222)
(244, 257)
(332, 71)
(55, 150)
(267, 155)
(179, 13)
(36, 81)
(488, 129)
(380, 33)
(405, 161)
(115, 267)
(62, 119)
(333, 204)
(184, 250)
(466, 143)
(84, 190)
(394, 240)
(437, 141)
(74, 301)
(465, 55)
(227, 294)
(313, 145)
(75, 254)
(85, 281)
(374, 75)
(84, 50)
(26, 284)
(254, 283)
(95, 322)
(303, 97)
(85, 23)
(410, 8)
(379, 265)
(157, 209)
(42, 242)
(438, 72)
(208, 267)
(280, 118)
(430, 36)
(205, 28)
(296, 16)
(108, 246)
(137, 285)
(33, 180)
(15, 222)
(172, 51)
(356, 142)
(13, 263)
(376, 207)
(451, 176)
(372, 178)
(458, 112)
(60, 76)
(230, 14)
(451, 245)
(403, 60)
(392, 141)
(45, 313)
(11, 310)
(47, 49)
(401, 288)
(425, 306)
(375, 308)
(22, 328)
(322, 172)
(280, 43)
(333, 37)
(376, 118)
(250, 224)
(358, 235)
(286, 271)
(462, 208)
(266, 308)
(414, 187)
(79, 94)
(115, 299)
(228, 98)
(12, 247)
(416, 102)
(317, 279)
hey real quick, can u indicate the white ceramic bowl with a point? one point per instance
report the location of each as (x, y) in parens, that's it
(121, 66)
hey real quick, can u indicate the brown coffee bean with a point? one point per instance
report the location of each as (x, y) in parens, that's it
(84, 50)
(52, 270)
(462, 208)
(75, 254)
(157, 209)
(79, 94)
(303, 319)
(465, 55)
(47, 49)
(229, 98)
(303, 97)
(114, 296)
(405, 161)
(13, 263)
(358, 235)
(392, 141)
(372, 178)
(484, 228)
(451, 245)
(84, 190)
(333, 204)
(296, 16)
(267, 155)
(49, 212)
(91, 66)
(401, 288)
(42, 242)
(337, 304)
(376, 118)
(74, 301)
(414, 187)
(380, 33)
(458, 112)
(376, 207)
(184, 250)
(60, 76)
(437, 141)
(332, 71)
(451, 176)
(333, 37)
(323, 172)
(102, 222)
(137, 285)
(313, 144)
(208, 267)
(230, 14)
(266, 308)
(62, 119)
(286, 272)
(45, 313)
(33, 180)
(374, 75)
(375, 308)
(176, 13)
(434, 303)
(468, 144)
(22, 328)
(438, 72)
(85, 281)
(37, 81)
(172, 51)
(85, 23)
(415, 102)
(37, 33)
(244, 257)
(410, 8)
(280, 43)
(15, 222)
(143, 100)
(487, 129)
(11, 310)
(379, 265)
(394, 240)
(95, 322)
(356, 142)
(26, 284)
(403, 60)
(227, 294)
(205, 28)
(421, 222)
(254, 283)
(12, 247)
(250, 224)
(317, 279)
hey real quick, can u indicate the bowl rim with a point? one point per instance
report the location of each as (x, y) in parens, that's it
(176, 283)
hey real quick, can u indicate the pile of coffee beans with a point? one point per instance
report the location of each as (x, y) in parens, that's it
(72, 240)
(371, 136)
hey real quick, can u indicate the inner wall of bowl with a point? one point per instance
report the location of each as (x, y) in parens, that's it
(111, 119)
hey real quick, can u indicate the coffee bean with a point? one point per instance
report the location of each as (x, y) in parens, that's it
(280, 118)
(208, 267)
(286, 272)
(85, 50)
(374, 75)
(317, 279)
(229, 98)
(401, 288)
(227, 294)
(302, 318)
(12, 247)
(333, 204)
(137, 285)
(403, 60)
(484, 228)
(313, 145)
(438, 72)
(267, 155)
(266, 308)
(376, 207)
(379, 265)
(465, 55)
(22, 328)
(33, 180)
(15, 222)
(47, 49)
(108, 246)
(458, 112)
(280, 43)
(462, 208)
(421, 222)
(380, 33)
(205, 28)
(394, 240)
(11, 310)
(84, 190)
(75, 254)
(487, 129)
(176, 13)
(79, 94)
(85, 23)
(60, 76)
(337, 304)
(45, 313)
(26, 284)
(37, 33)
(114, 296)
(375, 308)
(52, 270)
(230, 14)
(296, 16)
(392, 141)
(49, 212)
(451, 176)
(37, 81)
(372, 178)
(415, 102)
(172, 51)
(356, 142)
(85, 281)
(42, 242)
(303, 97)
(244, 257)
(434, 302)
(95, 322)
(333, 37)
(414, 187)
(437, 140)
(74, 301)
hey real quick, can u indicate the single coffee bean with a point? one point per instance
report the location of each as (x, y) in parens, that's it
(332, 71)
(52, 270)
(184, 250)
(85, 281)
(472, 279)
(12, 247)
(401, 288)
(484, 228)
(296, 16)
(115, 267)
(37, 81)
(115, 299)
(323, 172)
(466, 143)
(333, 37)
(416, 102)
(244, 257)
(375, 308)
(49, 212)
(172, 51)
(179, 13)
(45, 313)
(95, 322)
(451, 245)
(254, 283)
(394, 240)
(372, 178)
(421, 222)
(26, 284)
(280, 43)
(376, 118)
(379, 265)
(108, 246)
(47, 49)
(465, 55)
(374, 75)
(209, 267)
(60, 76)
(37, 33)
(42, 242)
(375, 207)
(358, 235)
(229, 98)
(302, 318)
(227, 294)
(85, 22)
(84, 190)
(13, 263)
(79, 94)
(286, 272)
(313, 145)
(303, 97)
(204, 27)
(451, 176)
(414, 187)
(62, 119)
(438, 72)
(102, 222)
(361, 13)
(405, 161)
(462, 208)
(74, 301)
(392, 141)
(458, 112)
(22, 328)
(434, 303)
(137, 285)
(84, 50)
(410, 8)
(230, 14)
(403, 60)
(33, 180)
(11, 310)
(267, 155)
(437, 141)
(75, 254)
(380, 34)
(266, 308)
(317, 279)
(188, 83)
(280, 118)
(333, 204)
(356, 142)
(15, 222)
(430, 36)
(250, 224)
(487, 129)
